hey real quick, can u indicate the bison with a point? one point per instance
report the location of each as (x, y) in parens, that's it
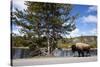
(82, 49)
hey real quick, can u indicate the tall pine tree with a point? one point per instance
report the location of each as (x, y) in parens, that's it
(50, 20)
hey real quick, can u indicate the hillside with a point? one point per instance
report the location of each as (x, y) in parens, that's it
(67, 42)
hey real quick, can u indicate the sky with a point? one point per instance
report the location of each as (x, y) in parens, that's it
(86, 23)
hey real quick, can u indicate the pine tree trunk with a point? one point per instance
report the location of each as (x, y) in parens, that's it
(48, 42)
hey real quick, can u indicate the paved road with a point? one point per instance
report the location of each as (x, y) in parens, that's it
(57, 60)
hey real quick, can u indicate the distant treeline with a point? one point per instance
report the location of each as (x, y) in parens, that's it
(22, 41)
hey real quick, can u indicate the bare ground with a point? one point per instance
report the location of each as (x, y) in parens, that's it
(52, 60)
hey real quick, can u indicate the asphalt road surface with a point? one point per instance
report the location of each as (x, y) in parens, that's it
(53, 60)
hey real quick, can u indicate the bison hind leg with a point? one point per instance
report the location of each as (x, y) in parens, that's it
(88, 53)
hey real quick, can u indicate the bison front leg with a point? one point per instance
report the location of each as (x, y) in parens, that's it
(80, 53)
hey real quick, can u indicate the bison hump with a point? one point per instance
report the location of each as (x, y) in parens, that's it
(82, 45)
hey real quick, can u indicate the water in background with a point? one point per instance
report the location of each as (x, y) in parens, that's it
(24, 53)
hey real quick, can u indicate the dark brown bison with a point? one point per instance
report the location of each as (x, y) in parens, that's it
(82, 49)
